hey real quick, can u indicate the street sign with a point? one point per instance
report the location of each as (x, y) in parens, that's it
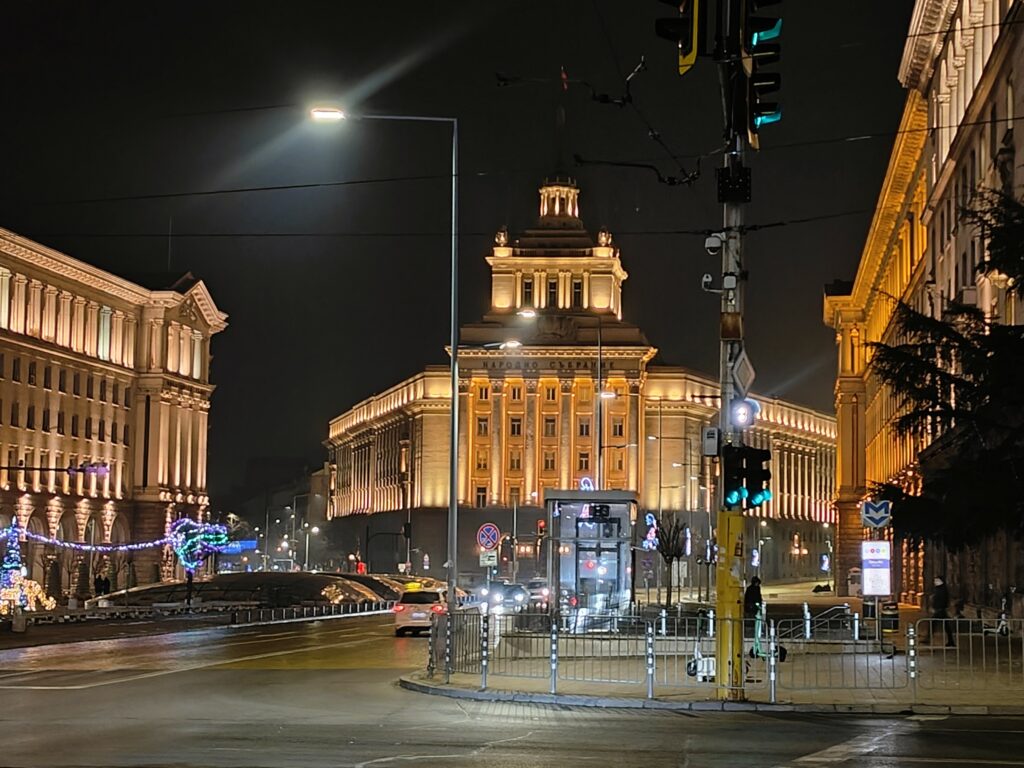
(709, 441)
(487, 536)
(876, 562)
(875, 514)
(742, 374)
(489, 558)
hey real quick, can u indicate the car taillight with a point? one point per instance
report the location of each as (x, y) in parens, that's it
(572, 601)
(398, 608)
(437, 608)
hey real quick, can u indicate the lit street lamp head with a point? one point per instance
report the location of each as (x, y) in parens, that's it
(511, 344)
(530, 313)
(327, 114)
(607, 394)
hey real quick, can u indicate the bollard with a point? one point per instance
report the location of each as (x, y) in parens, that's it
(773, 653)
(554, 656)
(650, 656)
(856, 626)
(431, 648)
(711, 622)
(912, 660)
(448, 649)
(664, 614)
(484, 643)
(807, 622)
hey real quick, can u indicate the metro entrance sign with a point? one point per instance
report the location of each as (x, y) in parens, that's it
(876, 562)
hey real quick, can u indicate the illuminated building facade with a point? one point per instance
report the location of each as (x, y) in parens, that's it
(557, 390)
(961, 63)
(99, 371)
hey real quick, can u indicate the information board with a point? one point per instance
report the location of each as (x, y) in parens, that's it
(876, 562)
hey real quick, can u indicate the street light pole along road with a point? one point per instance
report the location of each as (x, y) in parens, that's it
(333, 114)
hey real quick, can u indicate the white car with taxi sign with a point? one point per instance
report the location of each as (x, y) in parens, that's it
(416, 608)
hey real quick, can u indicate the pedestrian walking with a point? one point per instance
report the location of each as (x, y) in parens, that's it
(105, 583)
(97, 585)
(940, 610)
(752, 598)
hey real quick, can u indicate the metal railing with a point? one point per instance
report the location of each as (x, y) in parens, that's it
(968, 655)
(252, 616)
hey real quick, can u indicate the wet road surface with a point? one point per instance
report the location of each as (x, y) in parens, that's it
(323, 694)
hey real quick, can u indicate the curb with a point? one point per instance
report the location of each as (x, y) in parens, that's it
(610, 702)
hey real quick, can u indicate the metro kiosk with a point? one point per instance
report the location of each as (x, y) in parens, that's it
(591, 547)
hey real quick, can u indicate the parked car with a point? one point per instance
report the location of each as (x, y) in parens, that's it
(416, 608)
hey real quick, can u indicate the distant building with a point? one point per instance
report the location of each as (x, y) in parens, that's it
(541, 416)
(97, 370)
(963, 68)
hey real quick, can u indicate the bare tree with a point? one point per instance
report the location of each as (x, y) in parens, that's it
(671, 546)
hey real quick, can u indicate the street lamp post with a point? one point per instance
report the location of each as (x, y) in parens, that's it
(314, 530)
(333, 114)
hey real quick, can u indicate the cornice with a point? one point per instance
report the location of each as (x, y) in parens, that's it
(925, 40)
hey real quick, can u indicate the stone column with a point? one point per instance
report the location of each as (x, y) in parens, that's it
(64, 319)
(633, 430)
(567, 465)
(18, 304)
(33, 320)
(117, 337)
(49, 313)
(531, 442)
(497, 441)
(463, 457)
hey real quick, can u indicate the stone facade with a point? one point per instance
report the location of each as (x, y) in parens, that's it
(97, 370)
(555, 390)
(962, 68)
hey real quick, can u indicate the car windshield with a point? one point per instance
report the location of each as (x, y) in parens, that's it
(536, 584)
(420, 598)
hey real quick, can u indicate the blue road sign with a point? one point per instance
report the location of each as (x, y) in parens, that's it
(875, 514)
(488, 535)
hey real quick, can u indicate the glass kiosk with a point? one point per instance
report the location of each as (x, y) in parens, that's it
(590, 556)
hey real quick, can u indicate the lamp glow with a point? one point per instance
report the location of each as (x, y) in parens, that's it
(327, 114)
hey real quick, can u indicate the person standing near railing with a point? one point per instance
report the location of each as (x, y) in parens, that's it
(752, 598)
(940, 610)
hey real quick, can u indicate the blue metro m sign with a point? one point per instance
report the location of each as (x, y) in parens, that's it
(875, 514)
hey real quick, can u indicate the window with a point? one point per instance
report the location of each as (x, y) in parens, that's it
(30, 418)
(3, 367)
(47, 378)
(993, 137)
(583, 464)
(618, 427)
(124, 435)
(620, 461)
(550, 394)
(549, 461)
(103, 390)
(527, 292)
(481, 495)
(32, 373)
(127, 397)
(74, 425)
(550, 429)
(76, 384)
(60, 422)
(88, 427)
(16, 369)
(1, 410)
(584, 426)
(88, 387)
(484, 392)
(113, 432)
(514, 496)
(481, 459)
(584, 394)
(62, 380)
(517, 394)
(46, 419)
(482, 426)
(103, 430)
(552, 293)
(103, 338)
(15, 414)
(515, 460)
(113, 396)
(515, 427)
(577, 294)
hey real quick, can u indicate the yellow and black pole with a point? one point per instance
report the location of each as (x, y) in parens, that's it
(729, 606)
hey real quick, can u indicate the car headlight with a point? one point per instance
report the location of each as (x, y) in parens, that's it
(483, 592)
(519, 597)
(545, 592)
(497, 597)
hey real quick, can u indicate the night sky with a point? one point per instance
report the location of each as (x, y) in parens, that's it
(115, 114)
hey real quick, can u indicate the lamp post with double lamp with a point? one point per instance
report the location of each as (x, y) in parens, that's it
(602, 394)
(334, 115)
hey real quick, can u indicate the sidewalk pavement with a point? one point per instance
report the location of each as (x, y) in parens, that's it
(701, 697)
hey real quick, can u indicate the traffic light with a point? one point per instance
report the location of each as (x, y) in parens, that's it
(542, 526)
(600, 511)
(732, 476)
(407, 530)
(757, 476)
(687, 30)
(758, 49)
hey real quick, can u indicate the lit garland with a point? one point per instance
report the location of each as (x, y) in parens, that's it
(15, 590)
(192, 542)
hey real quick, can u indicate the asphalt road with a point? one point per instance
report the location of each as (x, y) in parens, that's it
(323, 694)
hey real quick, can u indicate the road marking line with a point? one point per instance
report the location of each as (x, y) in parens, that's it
(192, 668)
(856, 747)
(960, 760)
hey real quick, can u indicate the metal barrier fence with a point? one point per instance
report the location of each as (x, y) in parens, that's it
(247, 616)
(674, 655)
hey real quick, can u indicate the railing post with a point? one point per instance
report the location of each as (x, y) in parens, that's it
(711, 622)
(807, 622)
(431, 648)
(856, 626)
(650, 654)
(485, 633)
(912, 660)
(554, 655)
(448, 648)
(664, 614)
(773, 652)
